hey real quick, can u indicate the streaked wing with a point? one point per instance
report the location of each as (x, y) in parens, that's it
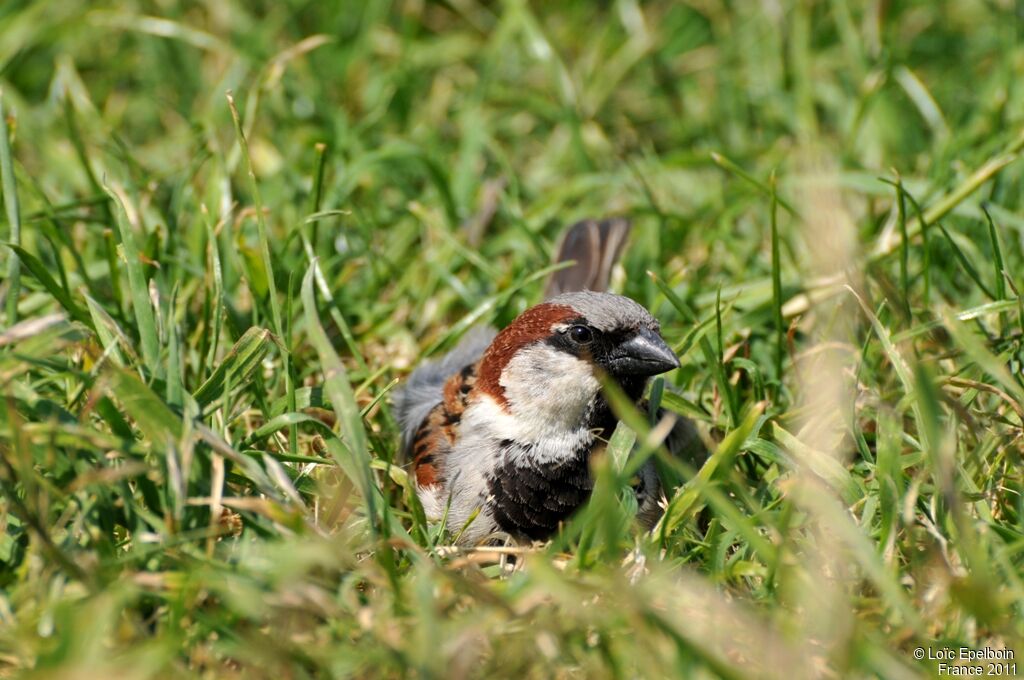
(424, 389)
(439, 430)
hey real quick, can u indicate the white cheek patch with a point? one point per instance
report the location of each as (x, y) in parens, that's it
(548, 390)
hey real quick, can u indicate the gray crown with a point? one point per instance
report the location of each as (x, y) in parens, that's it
(607, 311)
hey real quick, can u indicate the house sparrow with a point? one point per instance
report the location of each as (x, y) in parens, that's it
(500, 431)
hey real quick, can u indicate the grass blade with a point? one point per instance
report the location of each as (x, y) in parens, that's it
(687, 500)
(768, 189)
(997, 262)
(141, 305)
(238, 367)
(780, 328)
(10, 196)
(966, 263)
(42, 275)
(354, 456)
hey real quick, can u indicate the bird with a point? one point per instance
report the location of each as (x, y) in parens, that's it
(500, 431)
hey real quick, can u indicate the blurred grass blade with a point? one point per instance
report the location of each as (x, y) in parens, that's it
(238, 367)
(493, 301)
(780, 328)
(674, 299)
(991, 364)
(620, 446)
(163, 428)
(355, 456)
(261, 221)
(158, 26)
(109, 333)
(30, 328)
(926, 105)
(821, 463)
(10, 196)
(217, 294)
(678, 404)
(958, 195)
(726, 164)
(265, 251)
(277, 473)
(997, 252)
(279, 423)
(141, 304)
(175, 386)
(318, 191)
(685, 503)
(305, 397)
(838, 520)
(965, 262)
(965, 315)
(901, 216)
(160, 425)
(41, 274)
(903, 371)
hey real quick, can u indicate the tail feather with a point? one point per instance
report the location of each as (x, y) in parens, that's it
(595, 246)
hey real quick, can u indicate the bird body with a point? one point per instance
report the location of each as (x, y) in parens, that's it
(501, 430)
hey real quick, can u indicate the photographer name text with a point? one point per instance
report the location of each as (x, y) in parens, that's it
(966, 661)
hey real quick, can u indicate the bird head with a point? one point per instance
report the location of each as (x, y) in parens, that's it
(546, 364)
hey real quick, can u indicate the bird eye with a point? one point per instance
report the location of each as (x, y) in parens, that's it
(581, 334)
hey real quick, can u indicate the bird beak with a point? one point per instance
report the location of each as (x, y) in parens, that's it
(644, 354)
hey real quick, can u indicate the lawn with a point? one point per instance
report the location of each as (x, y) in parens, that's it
(230, 229)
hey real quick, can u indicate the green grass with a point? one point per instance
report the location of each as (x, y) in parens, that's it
(205, 308)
